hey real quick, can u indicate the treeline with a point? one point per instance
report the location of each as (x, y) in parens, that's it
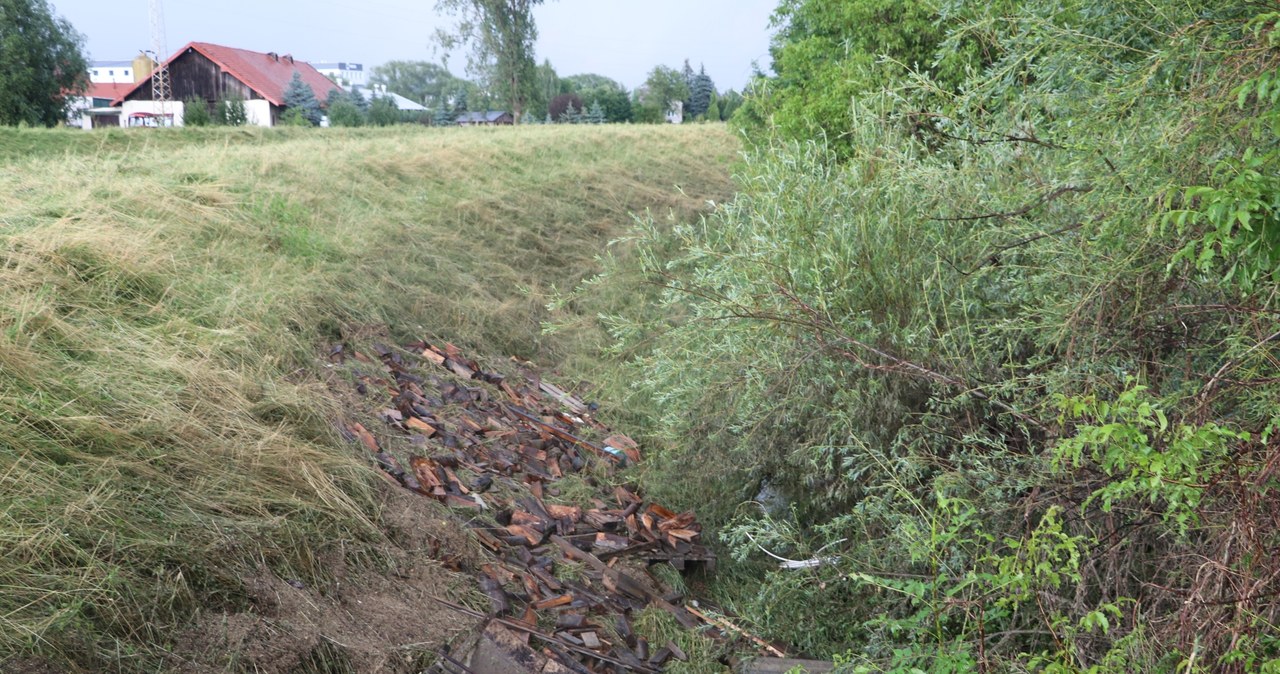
(980, 370)
(582, 98)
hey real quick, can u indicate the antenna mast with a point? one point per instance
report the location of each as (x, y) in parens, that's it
(161, 89)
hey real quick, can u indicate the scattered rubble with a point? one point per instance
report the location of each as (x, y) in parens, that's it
(497, 448)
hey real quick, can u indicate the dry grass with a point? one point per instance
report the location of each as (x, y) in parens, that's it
(162, 299)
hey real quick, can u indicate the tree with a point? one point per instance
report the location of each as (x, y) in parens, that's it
(663, 87)
(442, 117)
(713, 110)
(688, 75)
(195, 112)
(294, 117)
(561, 105)
(383, 112)
(585, 82)
(42, 64)
(701, 89)
(500, 34)
(423, 82)
(730, 101)
(595, 115)
(829, 52)
(342, 112)
(547, 85)
(571, 115)
(358, 100)
(299, 96)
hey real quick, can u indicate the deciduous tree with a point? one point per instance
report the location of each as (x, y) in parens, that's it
(500, 34)
(664, 87)
(430, 84)
(42, 64)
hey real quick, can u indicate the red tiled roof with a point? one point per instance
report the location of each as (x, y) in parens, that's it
(267, 74)
(108, 90)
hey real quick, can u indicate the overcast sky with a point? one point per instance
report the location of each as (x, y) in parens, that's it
(622, 39)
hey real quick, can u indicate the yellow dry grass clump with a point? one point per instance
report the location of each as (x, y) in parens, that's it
(164, 297)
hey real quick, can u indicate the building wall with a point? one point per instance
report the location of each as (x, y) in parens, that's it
(173, 108)
(111, 74)
(259, 112)
(193, 76)
(349, 73)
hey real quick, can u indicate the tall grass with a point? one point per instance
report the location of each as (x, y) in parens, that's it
(163, 297)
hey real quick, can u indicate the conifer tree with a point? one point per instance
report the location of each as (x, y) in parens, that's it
(570, 115)
(442, 117)
(688, 75)
(701, 89)
(596, 114)
(299, 96)
(358, 99)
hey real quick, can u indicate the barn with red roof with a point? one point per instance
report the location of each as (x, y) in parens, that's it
(213, 73)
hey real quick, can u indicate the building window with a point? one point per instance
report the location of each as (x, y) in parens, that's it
(95, 73)
(111, 73)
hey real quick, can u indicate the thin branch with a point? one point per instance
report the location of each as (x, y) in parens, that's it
(1046, 198)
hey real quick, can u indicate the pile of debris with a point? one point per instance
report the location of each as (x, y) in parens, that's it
(499, 446)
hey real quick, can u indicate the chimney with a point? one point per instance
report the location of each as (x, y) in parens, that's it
(289, 58)
(273, 56)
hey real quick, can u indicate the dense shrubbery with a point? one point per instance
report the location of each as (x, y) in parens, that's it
(1000, 354)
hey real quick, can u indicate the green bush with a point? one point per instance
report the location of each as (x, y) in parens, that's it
(231, 112)
(295, 117)
(345, 113)
(383, 112)
(195, 112)
(990, 343)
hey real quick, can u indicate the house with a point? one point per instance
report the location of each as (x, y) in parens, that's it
(92, 109)
(212, 73)
(488, 118)
(114, 72)
(346, 74)
(675, 112)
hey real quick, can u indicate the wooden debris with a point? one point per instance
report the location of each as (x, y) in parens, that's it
(475, 432)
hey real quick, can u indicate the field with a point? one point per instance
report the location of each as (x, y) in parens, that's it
(168, 443)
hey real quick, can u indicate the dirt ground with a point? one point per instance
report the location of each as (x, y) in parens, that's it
(365, 622)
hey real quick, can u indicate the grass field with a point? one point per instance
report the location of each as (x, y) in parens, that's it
(165, 300)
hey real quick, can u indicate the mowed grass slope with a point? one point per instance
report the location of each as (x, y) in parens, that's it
(165, 301)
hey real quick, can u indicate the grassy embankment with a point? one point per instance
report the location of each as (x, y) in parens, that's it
(164, 298)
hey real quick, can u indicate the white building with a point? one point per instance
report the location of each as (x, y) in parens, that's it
(675, 112)
(111, 72)
(345, 74)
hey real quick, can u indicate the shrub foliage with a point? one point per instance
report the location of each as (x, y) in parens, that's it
(990, 341)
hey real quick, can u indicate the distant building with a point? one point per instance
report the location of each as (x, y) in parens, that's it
(211, 73)
(487, 118)
(675, 112)
(92, 109)
(111, 72)
(380, 91)
(346, 74)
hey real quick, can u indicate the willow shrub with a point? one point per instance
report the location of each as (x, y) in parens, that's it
(1003, 367)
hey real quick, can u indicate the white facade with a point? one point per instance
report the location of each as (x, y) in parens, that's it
(148, 113)
(257, 112)
(675, 112)
(151, 113)
(111, 72)
(346, 74)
